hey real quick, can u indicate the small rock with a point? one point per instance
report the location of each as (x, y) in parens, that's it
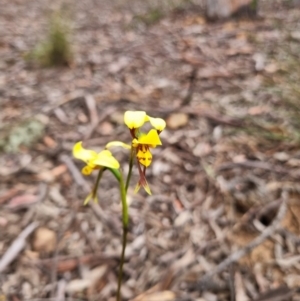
(27, 290)
(239, 158)
(260, 61)
(177, 120)
(271, 68)
(293, 280)
(44, 240)
(158, 296)
(281, 156)
(293, 162)
(210, 296)
(202, 149)
(295, 35)
(77, 285)
(160, 167)
(217, 133)
(183, 218)
(3, 221)
(106, 128)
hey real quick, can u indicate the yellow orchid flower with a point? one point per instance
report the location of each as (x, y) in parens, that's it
(141, 146)
(93, 159)
(158, 123)
(143, 143)
(136, 119)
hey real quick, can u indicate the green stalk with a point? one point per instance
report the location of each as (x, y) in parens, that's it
(125, 231)
(130, 169)
(101, 171)
(93, 194)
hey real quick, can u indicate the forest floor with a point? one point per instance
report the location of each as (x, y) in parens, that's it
(223, 220)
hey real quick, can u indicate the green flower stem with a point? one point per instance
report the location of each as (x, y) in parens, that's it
(130, 169)
(124, 202)
(101, 171)
(125, 231)
(93, 194)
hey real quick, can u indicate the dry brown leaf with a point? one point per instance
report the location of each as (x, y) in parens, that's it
(22, 201)
(50, 142)
(51, 175)
(9, 194)
(258, 110)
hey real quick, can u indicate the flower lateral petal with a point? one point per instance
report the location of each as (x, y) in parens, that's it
(90, 197)
(143, 184)
(134, 119)
(83, 154)
(106, 159)
(118, 143)
(158, 123)
(151, 138)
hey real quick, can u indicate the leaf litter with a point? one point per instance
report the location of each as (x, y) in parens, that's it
(223, 221)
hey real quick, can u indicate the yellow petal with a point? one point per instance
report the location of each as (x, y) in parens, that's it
(118, 143)
(151, 138)
(106, 159)
(87, 170)
(137, 188)
(144, 155)
(158, 123)
(135, 143)
(134, 119)
(89, 197)
(83, 154)
(144, 185)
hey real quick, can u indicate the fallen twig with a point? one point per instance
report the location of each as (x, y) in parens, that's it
(20, 202)
(92, 107)
(75, 95)
(75, 173)
(19, 243)
(234, 257)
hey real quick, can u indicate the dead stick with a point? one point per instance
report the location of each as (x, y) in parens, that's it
(234, 257)
(75, 173)
(16, 247)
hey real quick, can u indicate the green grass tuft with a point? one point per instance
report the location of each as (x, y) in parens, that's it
(55, 50)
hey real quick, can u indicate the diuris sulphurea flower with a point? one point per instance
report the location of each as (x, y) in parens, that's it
(141, 142)
(140, 150)
(94, 161)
